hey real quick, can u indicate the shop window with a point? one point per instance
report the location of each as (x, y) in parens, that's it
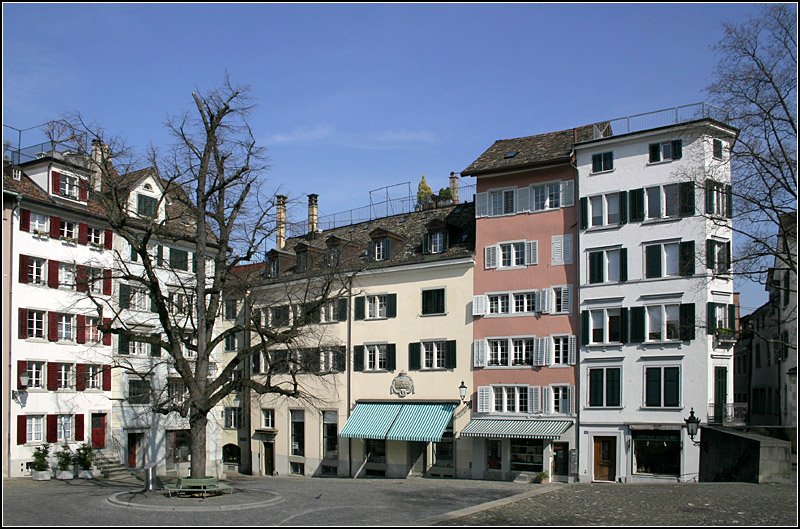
(657, 452)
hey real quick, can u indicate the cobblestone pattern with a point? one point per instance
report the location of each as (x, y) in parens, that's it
(685, 504)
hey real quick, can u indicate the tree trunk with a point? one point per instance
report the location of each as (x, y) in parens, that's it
(197, 425)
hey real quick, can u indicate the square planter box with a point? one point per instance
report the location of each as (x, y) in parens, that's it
(65, 474)
(41, 475)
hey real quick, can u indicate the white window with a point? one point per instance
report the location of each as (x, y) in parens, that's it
(605, 325)
(561, 300)
(663, 322)
(524, 302)
(231, 309)
(65, 376)
(523, 351)
(329, 361)
(66, 275)
(268, 418)
(64, 427)
(140, 299)
(437, 241)
(68, 230)
(662, 260)
(498, 352)
(95, 236)
(35, 374)
(69, 186)
(95, 278)
(376, 357)
(34, 426)
(40, 224)
(498, 303)
(561, 399)
(138, 348)
(66, 328)
(501, 202)
(35, 324)
(94, 376)
(434, 354)
(230, 343)
(510, 399)
(381, 249)
(662, 201)
(376, 307)
(36, 271)
(330, 312)
(512, 254)
(233, 418)
(561, 350)
(548, 196)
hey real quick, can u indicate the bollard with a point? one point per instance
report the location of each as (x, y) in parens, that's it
(150, 480)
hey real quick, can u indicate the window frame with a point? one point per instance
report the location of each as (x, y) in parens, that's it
(503, 202)
(36, 374)
(604, 390)
(606, 325)
(37, 271)
(34, 428)
(602, 162)
(662, 387)
(504, 391)
(433, 354)
(36, 324)
(439, 301)
(376, 357)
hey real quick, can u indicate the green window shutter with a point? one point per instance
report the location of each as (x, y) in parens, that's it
(194, 262)
(450, 355)
(388, 248)
(623, 207)
(677, 149)
(623, 264)
(584, 327)
(732, 317)
(687, 323)
(709, 189)
(655, 152)
(414, 356)
(153, 307)
(358, 358)
(446, 240)
(359, 308)
(686, 258)
(155, 349)
(124, 296)
(160, 255)
(729, 201)
(134, 255)
(426, 243)
(371, 250)
(342, 310)
(653, 387)
(595, 387)
(613, 393)
(636, 205)
(711, 258)
(391, 306)
(623, 325)
(686, 198)
(584, 213)
(124, 345)
(711, 316)
(653, 261)
(637, 324)
(391, 357)
(671, 386)
(595, 267)
(728, 257)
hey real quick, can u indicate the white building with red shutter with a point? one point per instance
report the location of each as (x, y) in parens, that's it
(61, 271)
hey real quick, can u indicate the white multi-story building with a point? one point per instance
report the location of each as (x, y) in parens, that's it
(656, 296)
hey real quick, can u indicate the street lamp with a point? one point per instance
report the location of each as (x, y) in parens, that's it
(23, 388)
(692, 425)
(462, 392)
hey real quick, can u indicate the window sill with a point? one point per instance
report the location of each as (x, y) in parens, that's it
(433, 369)
(661, 162)
(614, 346)
(604, 227)
(518, 366)
(433, 314)
(607, 171)
(593, 408)
(37, 340)
(661, 408)
(661, 344)
(662, 220)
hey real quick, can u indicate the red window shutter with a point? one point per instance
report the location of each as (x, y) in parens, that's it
(25, 221)
(107, 282)
(83, 233)
(52, 326)
(22, 367)
(23, 268)
(52, 376)
(56, 189)
(22, 429)
(81, 278)
(52, 428)
(83, 190)
(52, 274)
(108, 239)
(55, 227)
(81, 334)
(23, 324)
(80, 377)
(107, 377)
(106, 335)
(79, 427)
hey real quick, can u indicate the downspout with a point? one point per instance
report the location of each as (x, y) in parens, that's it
(576, 205)
(16, 207)
(349, 358)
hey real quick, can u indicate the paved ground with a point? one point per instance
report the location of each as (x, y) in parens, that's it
(345, 502)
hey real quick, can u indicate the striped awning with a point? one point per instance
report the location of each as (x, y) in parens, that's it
(513, 428)
(424, 422)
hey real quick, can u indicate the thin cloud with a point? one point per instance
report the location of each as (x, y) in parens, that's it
(303, 135)
(327, 135)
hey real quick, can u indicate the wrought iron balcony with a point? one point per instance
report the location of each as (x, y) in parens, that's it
(727, 413)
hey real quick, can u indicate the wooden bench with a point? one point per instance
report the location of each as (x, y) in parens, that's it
(201, 486)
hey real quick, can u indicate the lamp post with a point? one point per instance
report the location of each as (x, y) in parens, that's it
(692, 425)
(462, 391)
(16, 395)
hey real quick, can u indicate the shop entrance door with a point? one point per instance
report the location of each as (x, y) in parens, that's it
(605, 458)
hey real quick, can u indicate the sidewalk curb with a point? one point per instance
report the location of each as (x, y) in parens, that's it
(540, 489)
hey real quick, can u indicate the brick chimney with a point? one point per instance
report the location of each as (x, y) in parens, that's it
(454, 187)
(99, 157)
(313, 213)
(280, 222)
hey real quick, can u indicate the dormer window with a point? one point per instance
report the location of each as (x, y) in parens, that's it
(333, 255)
(380, 249)
(146, 206)
(435, 242)
(67, 186)
(302, 261)
(274, 268)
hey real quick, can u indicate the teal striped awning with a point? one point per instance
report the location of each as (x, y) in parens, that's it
(423, 422)
(515, 428)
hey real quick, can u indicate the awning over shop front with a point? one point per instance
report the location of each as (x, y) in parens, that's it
(513, 428)
(424, 422)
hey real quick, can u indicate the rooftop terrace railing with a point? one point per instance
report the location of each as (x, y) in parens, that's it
(61, 150)
(657, 118)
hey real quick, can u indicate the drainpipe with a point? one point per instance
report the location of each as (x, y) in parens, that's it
(576, 205)
(349, 356)
(11, 276)
(246, 458)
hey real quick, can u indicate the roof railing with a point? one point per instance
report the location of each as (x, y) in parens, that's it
(657, 118)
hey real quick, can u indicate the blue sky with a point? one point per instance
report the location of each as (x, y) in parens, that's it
(355, 97)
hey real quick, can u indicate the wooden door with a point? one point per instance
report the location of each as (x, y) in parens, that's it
(605, 458)
(98, 430)
(132, 440)
(269, 456)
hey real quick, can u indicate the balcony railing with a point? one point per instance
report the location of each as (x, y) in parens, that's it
(658, 118)
(727, 413)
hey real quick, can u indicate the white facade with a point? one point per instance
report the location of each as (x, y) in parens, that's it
(643, 283)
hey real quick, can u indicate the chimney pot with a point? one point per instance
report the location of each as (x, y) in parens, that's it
(313, 213)
(280, 222)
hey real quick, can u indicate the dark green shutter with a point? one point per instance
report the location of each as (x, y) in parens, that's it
(686, 198)
(584, 327)
(371, 250)
(655, 152)
(595, 387)
(636, 205)
(584, 213)
(414, 356)
(359, 308)
(623, 264)
(637, 324)
(687, 323)
(653, 261)
(623, 325)
(358, 358)
(134, 255)
(153, 307)
(155, 349)
(342, 311)
(732, 317)
(728, 257)
(623, 207)
(194, 262)
(426, 243)
(160, 255)
(391, 357)
(595, 267)
(450, 355)
(391, 305)
(124, 296)
(671, 386)
(388, 248)
(710, 188)
(711, 317)
(653, 387)
(124, 345)
(711, 258)
(612, 387)
(686, 258)
(677, 149)
(729, 201)
(608, 161)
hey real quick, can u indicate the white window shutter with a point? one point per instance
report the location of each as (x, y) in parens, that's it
(479, 305)
(538, 351)
(557, 250)
(567, 193)
(547, 406)
(531, 252)
(523, 199)
(566, 298)
(490, 257)
(547, 346)
(479, 353)
(571, 391)
(535, 399)
(482, 204)
(573, 352)
(566, 249)
(484, 399)
(547, 300)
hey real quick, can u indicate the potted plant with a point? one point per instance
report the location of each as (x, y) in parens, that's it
(41, 469)
(542, 477)
(64, 458)
(85, 457)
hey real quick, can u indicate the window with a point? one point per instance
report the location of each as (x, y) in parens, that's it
(94, 376)
(604, 387)
(36, 271)
(298, 432)
(498, 303)
(561, 399)
(231, 309)
(717, 149)
(662, 387)
(523, 351)
(434, 354)
(177, 390)
(274, 268)
(69, 186)
(605, 325)
(524, 302)
(608, 266)
(510, 399)
(40, 224)
(561, 300)
(34, 426)
(498, 353)
(662, 260)
(376, 357)
(64, 427)
(718, 198)
(230, 343)
(662, 201)
(180, 302)
(95, 236)
(95, 279)
(602, 162)
(146, 206)
(718, 255)
(35, 324)
(279, 316)
(512, 254)
(444, 451)
(547, 196)
(66, 275)
(376, 307)
(561, 350)
(657, 452)
(666, 151)
(331, 361)
(68, 230)
(433, 301)
(663, 323)
(301, 264)
(138, 391)
(437, 241)
(139, 299)
(65, 376)
(501, 202)
(66, 328)
(233, 418)
(268, 418)
(604, 210)
(330, 435)
(178, 259)
(35, 375)
(380, 251)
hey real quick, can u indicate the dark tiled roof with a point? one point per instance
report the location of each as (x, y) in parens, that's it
(531, 151)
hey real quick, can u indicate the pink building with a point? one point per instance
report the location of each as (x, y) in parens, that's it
(524, 305)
